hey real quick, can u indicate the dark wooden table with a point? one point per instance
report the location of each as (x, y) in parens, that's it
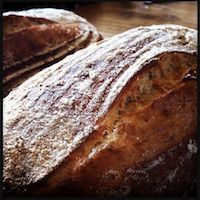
(111, 18)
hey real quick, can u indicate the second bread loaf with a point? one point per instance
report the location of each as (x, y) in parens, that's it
(36, 38)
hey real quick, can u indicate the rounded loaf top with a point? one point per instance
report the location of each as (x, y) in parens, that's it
(50, 114)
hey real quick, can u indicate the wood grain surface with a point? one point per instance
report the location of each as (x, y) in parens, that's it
(111, 18)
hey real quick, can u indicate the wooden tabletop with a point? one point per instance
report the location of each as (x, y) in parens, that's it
(111, 18)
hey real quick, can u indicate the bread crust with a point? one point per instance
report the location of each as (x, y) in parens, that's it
(119, 109)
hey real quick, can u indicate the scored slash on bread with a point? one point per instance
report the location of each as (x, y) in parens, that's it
(90, 122)
(36, 38)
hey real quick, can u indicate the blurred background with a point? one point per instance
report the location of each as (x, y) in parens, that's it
(112, 17)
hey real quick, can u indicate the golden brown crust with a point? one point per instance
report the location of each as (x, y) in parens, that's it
(13, 23)
(130, 142)
(118, 109)
(34, 41)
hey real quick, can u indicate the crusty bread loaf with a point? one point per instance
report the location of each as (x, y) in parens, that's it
(116, 118)
(35, 38)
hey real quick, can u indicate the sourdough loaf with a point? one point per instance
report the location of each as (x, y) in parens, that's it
(35, 38)
(116, 118)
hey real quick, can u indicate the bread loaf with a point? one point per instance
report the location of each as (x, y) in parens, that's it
(116, 118)
(35, 38)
